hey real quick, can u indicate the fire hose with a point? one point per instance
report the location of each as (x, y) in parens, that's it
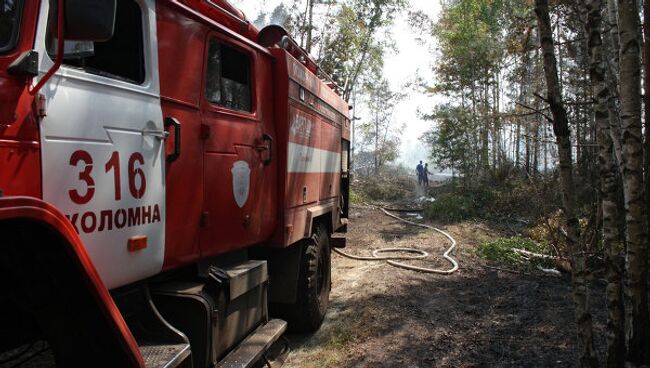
(377, 254)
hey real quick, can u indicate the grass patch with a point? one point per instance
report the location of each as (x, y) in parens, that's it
(382, 187)
(328, 347)
(356, 197)
(451, 207)
(501, 251)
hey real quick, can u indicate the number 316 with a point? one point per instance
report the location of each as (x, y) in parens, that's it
(137, 179)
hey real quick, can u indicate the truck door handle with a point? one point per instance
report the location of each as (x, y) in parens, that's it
(172, 122)
(268, 138)
(160, 134)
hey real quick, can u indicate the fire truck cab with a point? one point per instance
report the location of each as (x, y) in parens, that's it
(172, 180)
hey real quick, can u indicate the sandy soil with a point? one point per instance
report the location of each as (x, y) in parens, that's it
(381, 316)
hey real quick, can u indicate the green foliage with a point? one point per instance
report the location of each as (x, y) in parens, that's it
(378, 132)
(496, 196)
(356, 197)
(352, 49)
(517, 195)
(480, 43)
(343, 48)
(452, 207)
(348, 38)
(471, 43)
(452, 139)
(501, 250)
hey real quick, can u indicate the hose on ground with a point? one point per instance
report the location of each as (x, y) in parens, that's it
(415, 253)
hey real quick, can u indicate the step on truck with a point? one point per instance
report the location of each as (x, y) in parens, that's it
(172, 180)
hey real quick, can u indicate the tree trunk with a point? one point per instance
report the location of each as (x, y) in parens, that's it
(580, 274)
(517, 142)
(646, 105)
(545, 153)
(351, 80)
(528, 153)
(637, 323)
(612, 15)
(610, 51)
(310, 25)
(485, 129)
(376, 143)
(608, 186)
(536, 140)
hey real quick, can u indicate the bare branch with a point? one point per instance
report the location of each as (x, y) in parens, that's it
(536, 110)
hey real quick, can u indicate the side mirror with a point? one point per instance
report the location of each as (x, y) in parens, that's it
(90, 20)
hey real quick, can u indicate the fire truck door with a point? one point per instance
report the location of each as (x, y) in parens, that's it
(103, 142)
(236, 179)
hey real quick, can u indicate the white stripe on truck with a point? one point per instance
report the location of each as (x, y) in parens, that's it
(307, 159)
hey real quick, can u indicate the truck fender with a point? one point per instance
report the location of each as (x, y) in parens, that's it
(284, 264)
(44, 218)
(323, 212)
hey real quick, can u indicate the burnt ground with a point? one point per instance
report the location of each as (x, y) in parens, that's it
(382, 316)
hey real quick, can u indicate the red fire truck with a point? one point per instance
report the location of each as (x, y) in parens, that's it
(171, 182)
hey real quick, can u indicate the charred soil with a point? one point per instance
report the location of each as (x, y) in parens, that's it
(382, 316)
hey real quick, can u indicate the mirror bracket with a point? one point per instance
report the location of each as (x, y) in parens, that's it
(26, 64)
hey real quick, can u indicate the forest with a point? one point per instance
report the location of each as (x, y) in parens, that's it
(538, 109)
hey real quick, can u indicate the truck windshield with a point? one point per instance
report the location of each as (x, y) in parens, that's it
(9, 23)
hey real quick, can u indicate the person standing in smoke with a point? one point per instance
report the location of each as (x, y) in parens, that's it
(420, 172)
(425, 175)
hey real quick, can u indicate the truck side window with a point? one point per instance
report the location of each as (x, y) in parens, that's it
(228, 81)
(121, 57)
(9, 22)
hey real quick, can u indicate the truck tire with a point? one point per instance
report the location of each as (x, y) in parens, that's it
(314, 283)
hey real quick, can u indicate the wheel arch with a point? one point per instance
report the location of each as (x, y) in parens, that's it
(284, 263)
(48, 227)
(320, 214)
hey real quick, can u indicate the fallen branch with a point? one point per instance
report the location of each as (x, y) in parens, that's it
(550, 271)
(507, 270)
(562, 263)
(405, 210)
(530, 254)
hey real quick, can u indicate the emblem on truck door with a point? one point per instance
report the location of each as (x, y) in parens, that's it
(241, 174)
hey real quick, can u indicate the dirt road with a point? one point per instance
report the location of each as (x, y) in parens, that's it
(381, 316)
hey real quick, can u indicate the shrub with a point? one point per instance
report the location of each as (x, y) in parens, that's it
(501, 251)
(450, 207)
(383, 188)
(551, 228)
(495, 198)
(356, 197)
(458, 203)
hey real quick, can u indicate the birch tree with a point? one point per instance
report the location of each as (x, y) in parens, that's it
(379, 132)
(636, 292)
(612, 243)
(580, 274)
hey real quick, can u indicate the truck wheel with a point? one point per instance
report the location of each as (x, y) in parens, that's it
(314, 283)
